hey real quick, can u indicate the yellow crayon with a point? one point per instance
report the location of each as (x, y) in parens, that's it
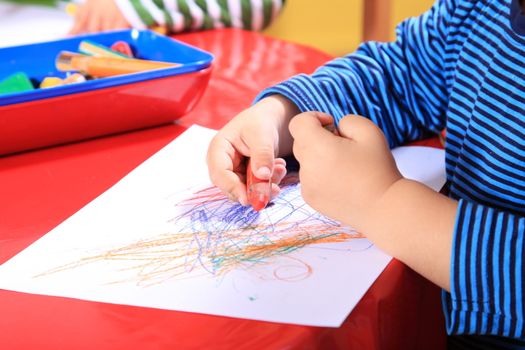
(51, 82)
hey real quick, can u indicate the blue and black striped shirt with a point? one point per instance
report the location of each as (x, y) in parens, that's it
(459, 66)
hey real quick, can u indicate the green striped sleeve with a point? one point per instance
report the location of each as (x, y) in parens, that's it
(238, 15)
(225, 13)
(167, 16)
(169, 19)
(144, 15)
(185, 11)
(208, 21)
(246, 8)
(268, 10)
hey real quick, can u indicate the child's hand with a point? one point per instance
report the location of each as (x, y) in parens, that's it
(342, 176)
(98, 15)
(260, 132)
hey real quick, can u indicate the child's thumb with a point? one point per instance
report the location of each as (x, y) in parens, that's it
(262, 158)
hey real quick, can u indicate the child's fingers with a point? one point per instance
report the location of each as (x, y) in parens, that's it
(262, 154)
(279, 172)
(325, 119)
(108, 22)
(94, 24)
(358, 128)
(279, 161)
(231, 185)
(275, 190)
(306, 127)
(222, 171)
(79, 25)
(114, 20)
(121, 23)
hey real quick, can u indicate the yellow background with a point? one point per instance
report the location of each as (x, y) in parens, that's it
(334, 26)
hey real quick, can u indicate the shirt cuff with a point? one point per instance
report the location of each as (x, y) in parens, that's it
(486, 287)
(306, 94)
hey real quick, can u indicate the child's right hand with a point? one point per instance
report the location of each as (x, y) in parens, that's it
(259, 132)
(98, 15)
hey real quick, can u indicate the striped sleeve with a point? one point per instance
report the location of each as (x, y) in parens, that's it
(177, 16)
(487, 283)
(399, 85)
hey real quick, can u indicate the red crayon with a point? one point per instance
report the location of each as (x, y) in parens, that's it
(258, 190)
(122, 47)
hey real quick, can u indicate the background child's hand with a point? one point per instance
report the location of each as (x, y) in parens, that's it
(342, 176)
(98, 15)
(260, 132)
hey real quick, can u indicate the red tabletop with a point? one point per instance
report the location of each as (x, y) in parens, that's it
(40, 189)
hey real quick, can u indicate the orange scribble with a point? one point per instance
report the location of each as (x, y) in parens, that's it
(215, 236)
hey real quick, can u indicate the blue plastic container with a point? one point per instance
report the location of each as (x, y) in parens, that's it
(38, 61)
(43, 117)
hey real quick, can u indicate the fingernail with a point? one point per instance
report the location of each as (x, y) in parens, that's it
(263, 172)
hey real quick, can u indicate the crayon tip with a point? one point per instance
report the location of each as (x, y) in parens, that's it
(258, 203)
(258, 190)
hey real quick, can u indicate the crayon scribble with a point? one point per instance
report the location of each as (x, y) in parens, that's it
(212, 236)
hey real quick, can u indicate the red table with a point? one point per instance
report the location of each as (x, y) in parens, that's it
(40, 189)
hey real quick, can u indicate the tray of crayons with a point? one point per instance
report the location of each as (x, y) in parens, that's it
(88, 86)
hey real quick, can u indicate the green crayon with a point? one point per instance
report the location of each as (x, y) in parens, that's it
(17, 82)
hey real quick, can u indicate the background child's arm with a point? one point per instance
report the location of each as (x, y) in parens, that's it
(175, 16)
(98, 15)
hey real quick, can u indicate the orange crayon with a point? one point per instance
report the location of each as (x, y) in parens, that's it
(106, 66)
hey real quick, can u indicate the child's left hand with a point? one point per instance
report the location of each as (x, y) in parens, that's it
(343, 177)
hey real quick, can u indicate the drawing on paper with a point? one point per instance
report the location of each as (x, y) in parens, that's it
(210, 235)
(162, 238)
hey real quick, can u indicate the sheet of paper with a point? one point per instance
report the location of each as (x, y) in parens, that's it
(26, 24)
(163, 237)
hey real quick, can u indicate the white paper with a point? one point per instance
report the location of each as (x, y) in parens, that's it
(26, 24)
(163, 237)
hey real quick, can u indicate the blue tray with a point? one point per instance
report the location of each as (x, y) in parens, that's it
(38, 61)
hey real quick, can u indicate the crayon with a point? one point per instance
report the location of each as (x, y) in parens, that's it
(122, 47)
(51, 82)
(93, 49)
(17, 82)
(55, 81)
(259, 191)
(105, 66)
(74, 78)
